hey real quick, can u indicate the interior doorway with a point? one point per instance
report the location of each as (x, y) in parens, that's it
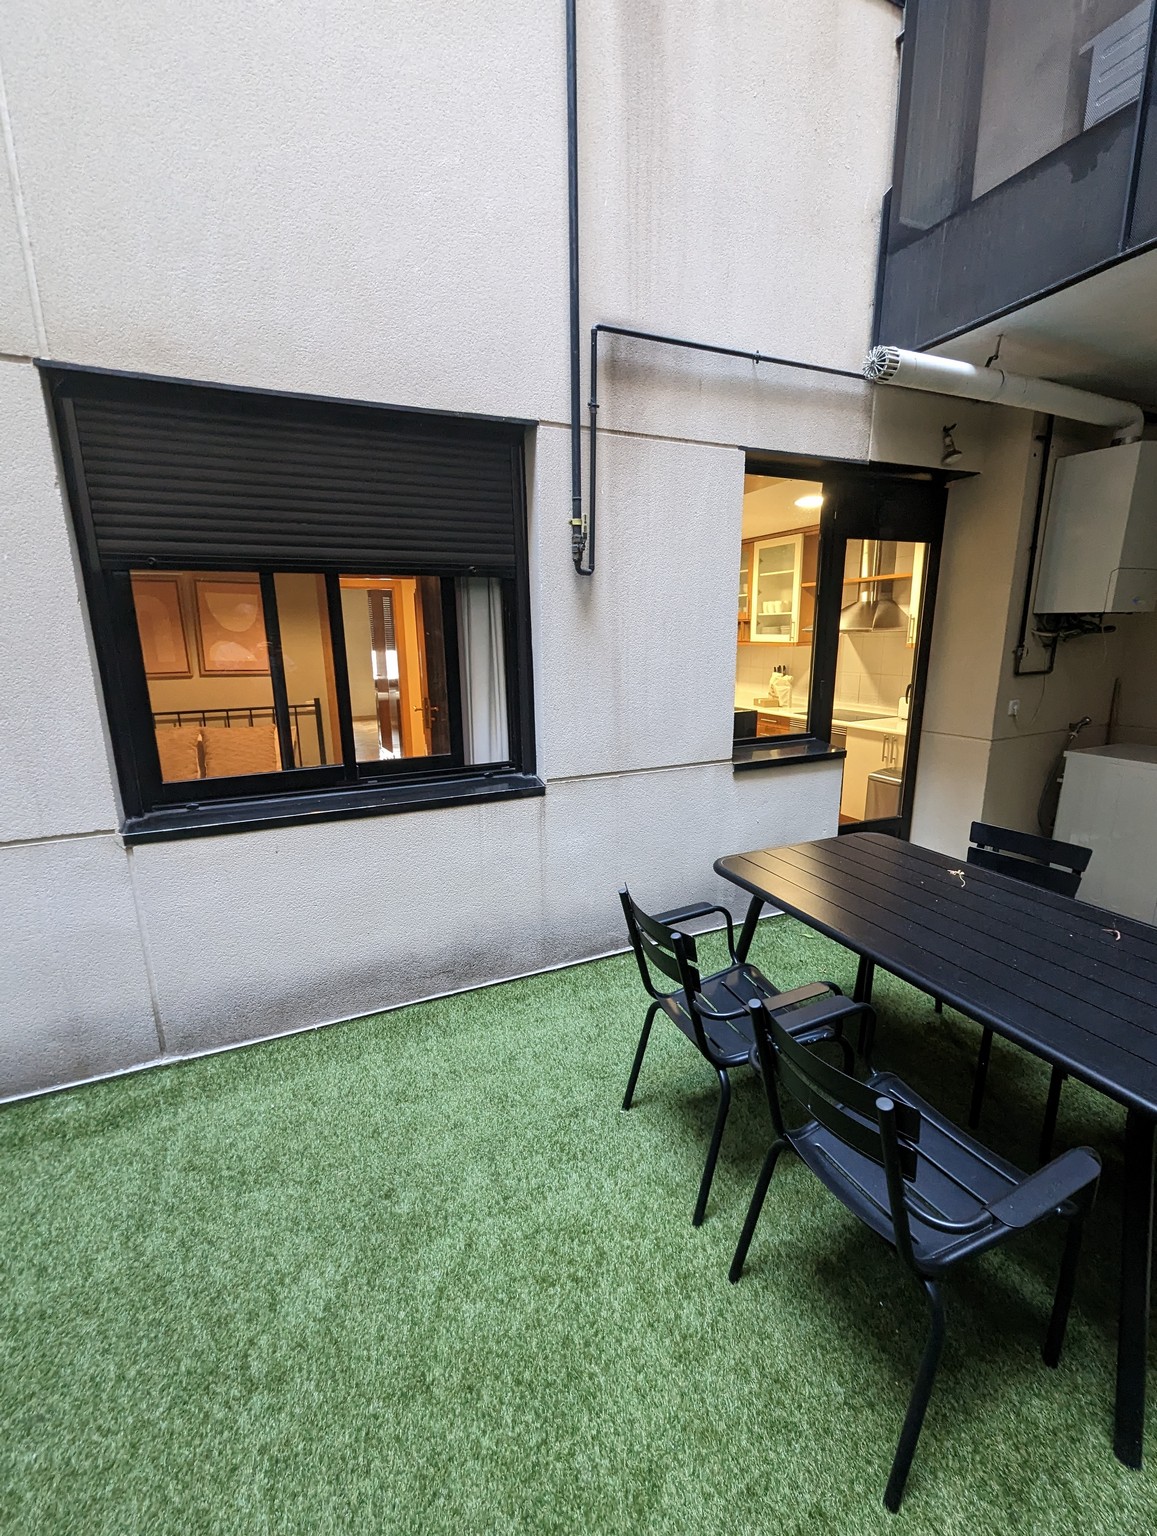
(879, 558)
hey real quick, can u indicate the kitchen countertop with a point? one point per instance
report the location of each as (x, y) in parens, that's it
(891, 725)
(880, 725)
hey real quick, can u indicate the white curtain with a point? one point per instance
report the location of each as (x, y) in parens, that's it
(483, 671)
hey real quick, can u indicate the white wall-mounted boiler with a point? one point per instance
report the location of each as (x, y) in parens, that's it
(1100, 545)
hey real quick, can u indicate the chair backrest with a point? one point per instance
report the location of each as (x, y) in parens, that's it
(1041, 861)
(656, 944)
(879, 1128)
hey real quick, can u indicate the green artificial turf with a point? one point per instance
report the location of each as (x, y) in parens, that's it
(420, 1274)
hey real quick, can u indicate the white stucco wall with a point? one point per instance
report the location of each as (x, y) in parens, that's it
(370, 202)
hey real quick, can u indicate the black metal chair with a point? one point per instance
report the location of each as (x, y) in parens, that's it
(928, 1189)
(1050, 865)
(710, 1010)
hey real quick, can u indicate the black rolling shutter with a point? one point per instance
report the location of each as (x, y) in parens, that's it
(203, 476)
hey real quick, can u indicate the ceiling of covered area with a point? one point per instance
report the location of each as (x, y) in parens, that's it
(1099, 334)
(769, 505)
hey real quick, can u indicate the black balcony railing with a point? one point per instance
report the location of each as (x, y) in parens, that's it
(1026, 156)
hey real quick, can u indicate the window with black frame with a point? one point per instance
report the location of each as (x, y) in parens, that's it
(296, 599)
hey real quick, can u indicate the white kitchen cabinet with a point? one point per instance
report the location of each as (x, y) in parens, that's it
(776, 572)
(870, 747)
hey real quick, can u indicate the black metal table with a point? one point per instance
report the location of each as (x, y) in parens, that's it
(1075, 985)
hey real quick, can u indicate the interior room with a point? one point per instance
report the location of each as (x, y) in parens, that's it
(876, 652)
(206, 641)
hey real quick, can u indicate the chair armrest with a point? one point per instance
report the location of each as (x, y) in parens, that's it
(778, 1001)
(1063, 1179)
(786, 1003)
(818, 1014)
(679, 915)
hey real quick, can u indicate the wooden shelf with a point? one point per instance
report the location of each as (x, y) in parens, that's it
(866, 581)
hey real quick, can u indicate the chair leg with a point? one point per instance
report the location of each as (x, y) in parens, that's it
(759, 1194)
(849, 1055)
(938, 1004)
(1066, 1281)
(918, 1402)
(713, 1149)
(1052, 1107)
(980, 1077)
(643, 1038)
(865, 973)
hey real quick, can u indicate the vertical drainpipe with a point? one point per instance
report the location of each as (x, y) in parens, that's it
(578, 530)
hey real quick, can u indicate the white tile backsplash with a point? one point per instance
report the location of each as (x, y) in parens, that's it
(872, 669)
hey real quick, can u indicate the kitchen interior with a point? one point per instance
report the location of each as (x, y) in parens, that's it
(877, 640)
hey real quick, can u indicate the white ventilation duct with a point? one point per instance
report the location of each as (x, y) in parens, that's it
(949, 376)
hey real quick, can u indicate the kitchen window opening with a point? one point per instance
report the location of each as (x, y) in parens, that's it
(300, 607)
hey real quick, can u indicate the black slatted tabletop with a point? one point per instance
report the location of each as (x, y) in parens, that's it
(1074, 984)
(1069, 982)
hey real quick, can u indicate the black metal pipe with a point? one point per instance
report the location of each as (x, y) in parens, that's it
(587, 567)
(1038, 518)
(706, 346)
(578, 534)
(592, 416)
(1137, 145)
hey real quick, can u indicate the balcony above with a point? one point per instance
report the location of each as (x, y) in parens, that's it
(1026, 157)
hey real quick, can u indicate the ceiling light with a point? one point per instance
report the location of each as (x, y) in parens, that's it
(810, 503)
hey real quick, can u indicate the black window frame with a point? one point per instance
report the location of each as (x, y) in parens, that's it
(155, 810)
(841, 479)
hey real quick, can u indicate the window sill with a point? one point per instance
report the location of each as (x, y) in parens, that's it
(217, 818)
(752, 756)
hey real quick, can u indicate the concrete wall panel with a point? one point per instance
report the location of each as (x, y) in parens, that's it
(262, 932)
(54, 768)
(17, 321)
(639, 662)
(76, 991)
(735, 159)
(371, 202)
(364, 200)
(949, 790)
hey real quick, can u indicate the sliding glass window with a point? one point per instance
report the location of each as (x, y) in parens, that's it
(319, 662)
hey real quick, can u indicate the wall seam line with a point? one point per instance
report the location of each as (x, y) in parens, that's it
(56, 837)
(21, 216)
(143, 935)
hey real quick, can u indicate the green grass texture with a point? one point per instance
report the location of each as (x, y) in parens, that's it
(420, 1273)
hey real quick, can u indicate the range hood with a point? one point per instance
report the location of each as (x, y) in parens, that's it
(873, 607)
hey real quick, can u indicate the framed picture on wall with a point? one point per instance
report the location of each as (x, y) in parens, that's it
(161, 625)
(230, 626)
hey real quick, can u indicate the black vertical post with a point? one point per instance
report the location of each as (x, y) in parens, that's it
(319, 726)
(1137, 148)
(1136, 1274)
(578, 542)
(826, 623)
(341, 672)
(277, 671)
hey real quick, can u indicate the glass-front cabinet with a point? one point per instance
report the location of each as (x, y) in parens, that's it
(775, 589)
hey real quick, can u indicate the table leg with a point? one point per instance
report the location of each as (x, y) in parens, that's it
(747, 933)
(1136, 1269)
(864, 977)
